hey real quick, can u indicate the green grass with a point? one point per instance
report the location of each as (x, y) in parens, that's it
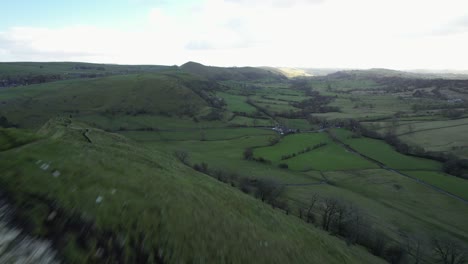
(133, 180)
(291, 144)
(146, 94)
(12, 137)
(301, 124)
(227, 155)
(384, 153)
(237, 103)
(330, 157)
(444, 181)
(248, 121)
(196, 134)
(442, 136)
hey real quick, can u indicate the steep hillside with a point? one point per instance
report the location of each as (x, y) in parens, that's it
(232, 73)
(170, 93)
(101, 198)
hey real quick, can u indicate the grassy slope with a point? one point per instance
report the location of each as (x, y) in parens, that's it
(191, 216)
(151, 94)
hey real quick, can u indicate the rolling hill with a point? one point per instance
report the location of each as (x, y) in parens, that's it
(169, 93)
(233, 73)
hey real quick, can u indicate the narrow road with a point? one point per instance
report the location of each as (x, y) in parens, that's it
(383, 166)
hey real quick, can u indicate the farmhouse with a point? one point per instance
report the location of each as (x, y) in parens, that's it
(283, 130)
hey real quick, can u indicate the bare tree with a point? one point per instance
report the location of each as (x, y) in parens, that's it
(342, 217)
(329, 210)
(415, 246)
(449, 251)
(310, 215)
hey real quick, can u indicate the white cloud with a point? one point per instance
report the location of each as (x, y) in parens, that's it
(309, 33)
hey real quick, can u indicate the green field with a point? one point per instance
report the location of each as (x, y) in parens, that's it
(291, 144)
(248, 121)
(237, 103)
(384, 153)
(444, 181)
(330, 157)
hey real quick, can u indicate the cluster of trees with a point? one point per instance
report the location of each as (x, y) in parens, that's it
(305, 150)
(345, 220)
(398, 84)
(213, 115)
(88, 67)
(9, 81)
(5, 123)
(452, 113)
(439, 106)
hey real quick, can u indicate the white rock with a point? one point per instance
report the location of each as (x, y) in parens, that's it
(56, 173)
(45, 166)
(99, 199)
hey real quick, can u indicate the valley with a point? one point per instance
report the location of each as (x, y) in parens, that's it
(200, 164)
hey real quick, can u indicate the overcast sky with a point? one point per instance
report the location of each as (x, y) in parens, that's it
(398, 34)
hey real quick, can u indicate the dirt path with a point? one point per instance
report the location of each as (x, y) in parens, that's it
(383, 166)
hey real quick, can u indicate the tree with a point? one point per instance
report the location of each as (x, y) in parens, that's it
(269, 190)
(183, 156)
(329, 210)
(341, 218)
(4, 122)
(310, 215)
(415, 246)
(248, 154)
(448, 251)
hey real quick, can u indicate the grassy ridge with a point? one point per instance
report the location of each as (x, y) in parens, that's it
(225, 225)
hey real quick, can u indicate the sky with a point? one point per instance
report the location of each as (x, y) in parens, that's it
(396, 34)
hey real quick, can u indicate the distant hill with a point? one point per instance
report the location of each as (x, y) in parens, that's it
(169, 93)
(25, 73)
(232, 73)
(289, 72)
(384, 73)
